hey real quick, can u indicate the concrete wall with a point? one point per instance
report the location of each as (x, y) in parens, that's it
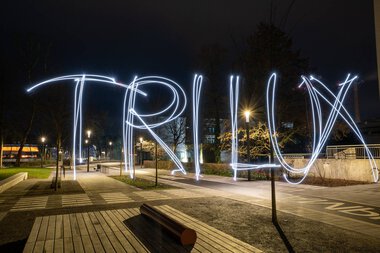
(12, 181)
(348, 169)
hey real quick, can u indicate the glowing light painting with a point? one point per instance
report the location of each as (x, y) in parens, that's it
(175, 108)
(197, 86)
(234, 103)
(133, 119)
(321, 128)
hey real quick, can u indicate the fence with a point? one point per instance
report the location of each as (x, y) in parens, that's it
(352, 151)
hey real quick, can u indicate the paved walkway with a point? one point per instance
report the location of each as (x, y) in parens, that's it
(355, 208)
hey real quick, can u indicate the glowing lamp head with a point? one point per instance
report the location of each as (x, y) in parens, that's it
(247, 114)
(86, 141)
(141, 139)
(88, 133)
(110, 143)
(43, 139)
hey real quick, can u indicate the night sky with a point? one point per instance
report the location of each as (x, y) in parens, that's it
(124, 38)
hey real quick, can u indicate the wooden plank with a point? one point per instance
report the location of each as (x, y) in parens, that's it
(109, 221)
(124, 242)
(217, 236)
(113, 214)
(78, 246)
(42, 233)
(102, 236)
(29, 246)
(95, 223)
(68, 244)
(34, 232)
(58, 245)
(135, 242)
(110, 218)
(82, 226)
(103, 223)
(92, 233)
(49, 246)
(58, 235)
(77, 241)
(66, 226)
(39, 247)
(87, 221)
(74, 225)
(109, 232)
(87, 244)
(115, 242)
(58, 227)
(51, 228)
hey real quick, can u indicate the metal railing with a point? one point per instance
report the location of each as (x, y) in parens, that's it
(352, 151)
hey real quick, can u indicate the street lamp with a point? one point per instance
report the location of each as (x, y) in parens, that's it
(141, 152)
(87, 141)
(110, 152)
(89, 133)
(247, 114)
(43, 139)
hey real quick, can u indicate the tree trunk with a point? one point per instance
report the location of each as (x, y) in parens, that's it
(25, 137)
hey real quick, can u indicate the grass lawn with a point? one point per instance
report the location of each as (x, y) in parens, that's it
(143, 183)
(32, 172)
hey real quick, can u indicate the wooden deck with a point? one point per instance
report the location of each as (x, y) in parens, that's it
(124, 230)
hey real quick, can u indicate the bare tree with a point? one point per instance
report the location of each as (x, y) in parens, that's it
(175, 132)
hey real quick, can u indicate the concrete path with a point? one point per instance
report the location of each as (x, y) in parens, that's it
(356, 208)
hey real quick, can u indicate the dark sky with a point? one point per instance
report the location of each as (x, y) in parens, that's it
(122, 38)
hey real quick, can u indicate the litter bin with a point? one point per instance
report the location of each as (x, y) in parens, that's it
(98, 167)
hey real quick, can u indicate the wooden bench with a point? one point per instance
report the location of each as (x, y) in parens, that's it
(123, 230)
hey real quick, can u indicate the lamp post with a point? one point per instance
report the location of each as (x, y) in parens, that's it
(88, 149)
(43, 139)
(110, 149)
(247, 113)
(141, 152)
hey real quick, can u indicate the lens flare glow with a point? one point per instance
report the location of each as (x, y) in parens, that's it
(197, 86)
(234, 103)
(321, 128)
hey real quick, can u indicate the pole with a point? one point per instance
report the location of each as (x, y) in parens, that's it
(121, 161)
(88, 157)
(141, 155)
(248, 149)
(42, 154)
(44, 157)
(273, 186)
(56, 170)
(134, 161)
(156, 158)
